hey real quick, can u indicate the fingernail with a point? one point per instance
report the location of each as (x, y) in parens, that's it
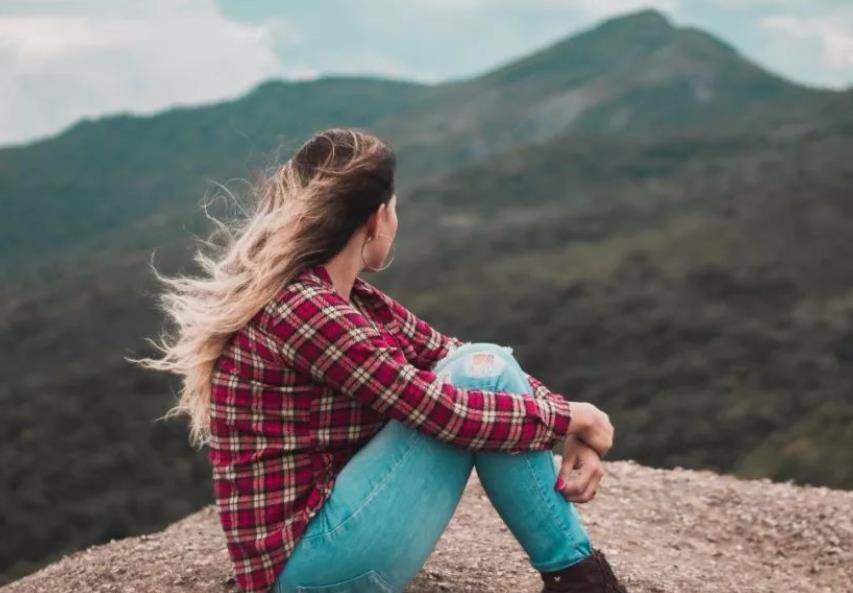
(559, 485)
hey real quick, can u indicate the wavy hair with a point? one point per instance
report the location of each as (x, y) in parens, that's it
(302, 213)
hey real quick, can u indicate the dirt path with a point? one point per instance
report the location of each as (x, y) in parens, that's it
(664, 531)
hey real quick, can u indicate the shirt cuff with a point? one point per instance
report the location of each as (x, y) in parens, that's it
(562, 418)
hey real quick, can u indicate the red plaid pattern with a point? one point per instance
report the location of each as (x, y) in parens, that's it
(309, 380)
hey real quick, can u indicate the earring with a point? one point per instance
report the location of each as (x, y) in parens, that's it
(393, 253)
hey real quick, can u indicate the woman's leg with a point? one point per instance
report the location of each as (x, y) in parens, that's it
(394, 498)
(385, 514)
(521, 486)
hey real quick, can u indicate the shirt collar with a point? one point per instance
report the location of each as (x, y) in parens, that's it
(319, 273)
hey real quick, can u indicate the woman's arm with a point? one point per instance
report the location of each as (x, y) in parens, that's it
(430, 345)
(427, 343)
(326, 337)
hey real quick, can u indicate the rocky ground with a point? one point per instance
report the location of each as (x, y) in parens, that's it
(664, 531)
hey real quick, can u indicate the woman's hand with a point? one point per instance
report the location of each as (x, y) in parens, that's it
(592, 426)
(580, 472)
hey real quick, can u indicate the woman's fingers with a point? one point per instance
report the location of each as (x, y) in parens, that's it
(577, 482)
(592, 486)
(582, 474)
(580, 471)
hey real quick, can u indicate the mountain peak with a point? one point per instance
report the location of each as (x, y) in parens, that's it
(586, 54)
(648, 17)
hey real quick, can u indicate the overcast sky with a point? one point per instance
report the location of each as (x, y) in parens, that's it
(63, 60)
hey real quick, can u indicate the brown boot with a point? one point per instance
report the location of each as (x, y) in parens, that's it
(591, 575)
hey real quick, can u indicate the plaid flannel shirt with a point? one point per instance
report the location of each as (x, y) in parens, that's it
(309, 380)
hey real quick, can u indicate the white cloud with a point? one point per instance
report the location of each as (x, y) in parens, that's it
(833, 35)
(62, 60)
(105, 57)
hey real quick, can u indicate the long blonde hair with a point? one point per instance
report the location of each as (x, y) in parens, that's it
(303, 213)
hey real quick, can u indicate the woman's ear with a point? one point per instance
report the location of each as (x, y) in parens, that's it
(373, 224)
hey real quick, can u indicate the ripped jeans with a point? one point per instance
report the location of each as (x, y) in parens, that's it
(405, 485)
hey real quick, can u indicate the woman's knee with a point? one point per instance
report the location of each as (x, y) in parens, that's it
(470, 350)
(481, 361)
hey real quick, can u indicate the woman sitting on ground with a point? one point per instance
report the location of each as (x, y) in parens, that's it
(342, 429)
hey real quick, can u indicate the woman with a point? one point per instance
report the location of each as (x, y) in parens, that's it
(342, 428)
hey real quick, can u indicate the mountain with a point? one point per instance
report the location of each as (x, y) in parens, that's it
(661, 530)
(636, 74)
(685, 285)
(683, 266)
(633, 75)
(102, 176)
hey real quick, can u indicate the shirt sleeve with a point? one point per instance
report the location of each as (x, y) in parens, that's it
(325, 336)
(428, 344)
(539, 389)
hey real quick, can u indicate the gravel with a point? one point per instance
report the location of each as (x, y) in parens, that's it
(664, 531)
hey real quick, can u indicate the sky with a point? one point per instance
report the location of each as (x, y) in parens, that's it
(63, 60)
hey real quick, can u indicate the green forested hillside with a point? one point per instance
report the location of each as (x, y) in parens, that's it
(101, 176)
(687, 286)
(633, 75)
(653, 223)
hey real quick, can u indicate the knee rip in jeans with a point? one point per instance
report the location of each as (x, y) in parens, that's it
(486, 360)
(483, 363)
(479, 360)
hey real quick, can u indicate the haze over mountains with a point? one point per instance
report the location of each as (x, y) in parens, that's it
(635, 75)
(654, 223)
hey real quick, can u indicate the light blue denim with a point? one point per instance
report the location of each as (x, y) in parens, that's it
(392, 501)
